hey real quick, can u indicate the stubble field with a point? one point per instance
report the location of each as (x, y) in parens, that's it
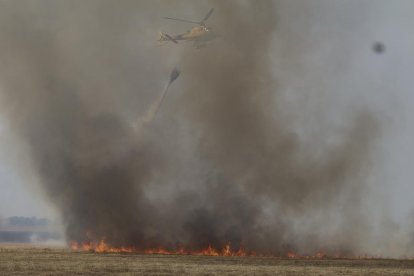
(40, 260)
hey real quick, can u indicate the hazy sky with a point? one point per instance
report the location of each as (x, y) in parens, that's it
(18, 193)
(339, 31)
(341, 37)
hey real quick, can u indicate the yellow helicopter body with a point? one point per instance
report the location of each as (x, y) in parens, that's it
(199, 35)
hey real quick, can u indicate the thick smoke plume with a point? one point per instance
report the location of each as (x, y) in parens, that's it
(222, 163)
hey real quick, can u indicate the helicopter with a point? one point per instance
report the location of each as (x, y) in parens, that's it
(199, 35)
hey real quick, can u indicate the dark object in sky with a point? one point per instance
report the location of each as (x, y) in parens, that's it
(174, 75)
(378, 48)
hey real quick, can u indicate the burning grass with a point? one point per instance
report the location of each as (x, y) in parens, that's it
(225, 251)
(29, 260)
(103, 247)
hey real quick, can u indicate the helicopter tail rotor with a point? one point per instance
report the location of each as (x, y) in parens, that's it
(161, 40)
(165, 37)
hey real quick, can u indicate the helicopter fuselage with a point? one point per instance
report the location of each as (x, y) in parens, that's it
(199, 35)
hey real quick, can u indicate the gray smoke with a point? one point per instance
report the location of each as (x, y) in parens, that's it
(153, 109)
(223, 162)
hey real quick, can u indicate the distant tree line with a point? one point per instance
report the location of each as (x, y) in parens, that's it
(25, 221)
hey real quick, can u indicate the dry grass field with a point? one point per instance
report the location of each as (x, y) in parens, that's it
(40, 260)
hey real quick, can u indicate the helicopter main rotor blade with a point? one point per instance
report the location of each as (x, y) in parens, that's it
(208, 15)
(182, 20)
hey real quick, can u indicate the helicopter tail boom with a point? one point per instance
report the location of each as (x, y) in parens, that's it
(166, 37)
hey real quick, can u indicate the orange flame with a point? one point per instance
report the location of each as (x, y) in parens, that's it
(103, 247)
